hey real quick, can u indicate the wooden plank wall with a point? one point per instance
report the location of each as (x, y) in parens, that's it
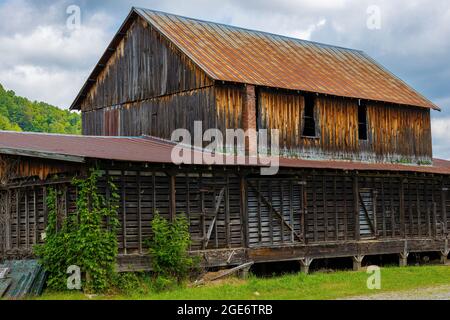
(227, 210)
(144, 192)
(26, 214)
(157, 117)
(145, 65)
(395, 133)
(400, 207)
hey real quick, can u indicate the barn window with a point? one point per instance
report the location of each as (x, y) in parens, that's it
(309, 129)
(362, 121)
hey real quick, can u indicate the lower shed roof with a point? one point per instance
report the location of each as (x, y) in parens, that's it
(147, 149)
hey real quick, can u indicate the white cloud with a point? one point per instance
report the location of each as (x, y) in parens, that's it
(48, 62)
(306, 34)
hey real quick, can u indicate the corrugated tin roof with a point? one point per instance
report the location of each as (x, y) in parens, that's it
(154, 150)
(235, 54)
(228, 53)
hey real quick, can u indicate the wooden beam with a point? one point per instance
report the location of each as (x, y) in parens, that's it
(325, 205)
(304, 199)
(336, 214)
(27, 220)
(356, 207)
(402, 209)
(444, 208)
(18, 219)
(244, 211)
(172, 200)
(316, 225)
(227, 211)
(139, 208)
(8, 221)
(124, 212)
(36, 218)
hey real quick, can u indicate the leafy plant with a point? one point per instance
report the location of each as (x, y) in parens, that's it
(82, 240)
(169, 248)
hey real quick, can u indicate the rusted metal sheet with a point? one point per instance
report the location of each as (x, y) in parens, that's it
(235, 54)
(154, 150)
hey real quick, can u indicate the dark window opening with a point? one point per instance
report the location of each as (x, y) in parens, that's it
(309, 129)
(362, 122)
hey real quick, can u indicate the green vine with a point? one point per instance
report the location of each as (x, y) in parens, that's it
(87, 237)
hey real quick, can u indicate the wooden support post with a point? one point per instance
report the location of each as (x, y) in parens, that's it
(44, 204)
(17, 219)
(36, 218)
(271, 233)
(444, 257)
(325, 207)
(445, 252)
(402, 209)
(245, 272)
(316, 224)
(305, 263)
(244, 211)
(357, 262)
(173, 201)
(139, 208)
(444, 210)
(336, 214)
(124, 212)
(8, 234)
(304, 198)
(227, 211)
(260, 233)
(282, 211)
(356, 207)
(27, 220)
(249, 117)
(374, 210)
(403, 259)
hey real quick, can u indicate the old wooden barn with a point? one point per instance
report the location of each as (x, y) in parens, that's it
(357, 175)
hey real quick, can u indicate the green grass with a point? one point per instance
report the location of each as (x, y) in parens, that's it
(317, 286)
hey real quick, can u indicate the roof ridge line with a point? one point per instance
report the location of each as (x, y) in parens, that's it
(248, 29)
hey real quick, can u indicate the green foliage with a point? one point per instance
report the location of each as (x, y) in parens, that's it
(21, 114)
(82, 239)
(169, 248)
(128, 283)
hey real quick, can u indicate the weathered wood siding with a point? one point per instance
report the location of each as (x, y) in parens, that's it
(324, 213)
(157, 117)
(395, 133)
(145, 65)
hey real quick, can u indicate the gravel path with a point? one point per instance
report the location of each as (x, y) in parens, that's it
(434, 293)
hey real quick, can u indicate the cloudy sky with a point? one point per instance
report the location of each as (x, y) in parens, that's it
(43, 59)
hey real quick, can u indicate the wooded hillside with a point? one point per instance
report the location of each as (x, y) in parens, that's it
(20, 114)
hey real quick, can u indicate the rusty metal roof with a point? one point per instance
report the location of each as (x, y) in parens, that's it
(233, 54)
(154, 150)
